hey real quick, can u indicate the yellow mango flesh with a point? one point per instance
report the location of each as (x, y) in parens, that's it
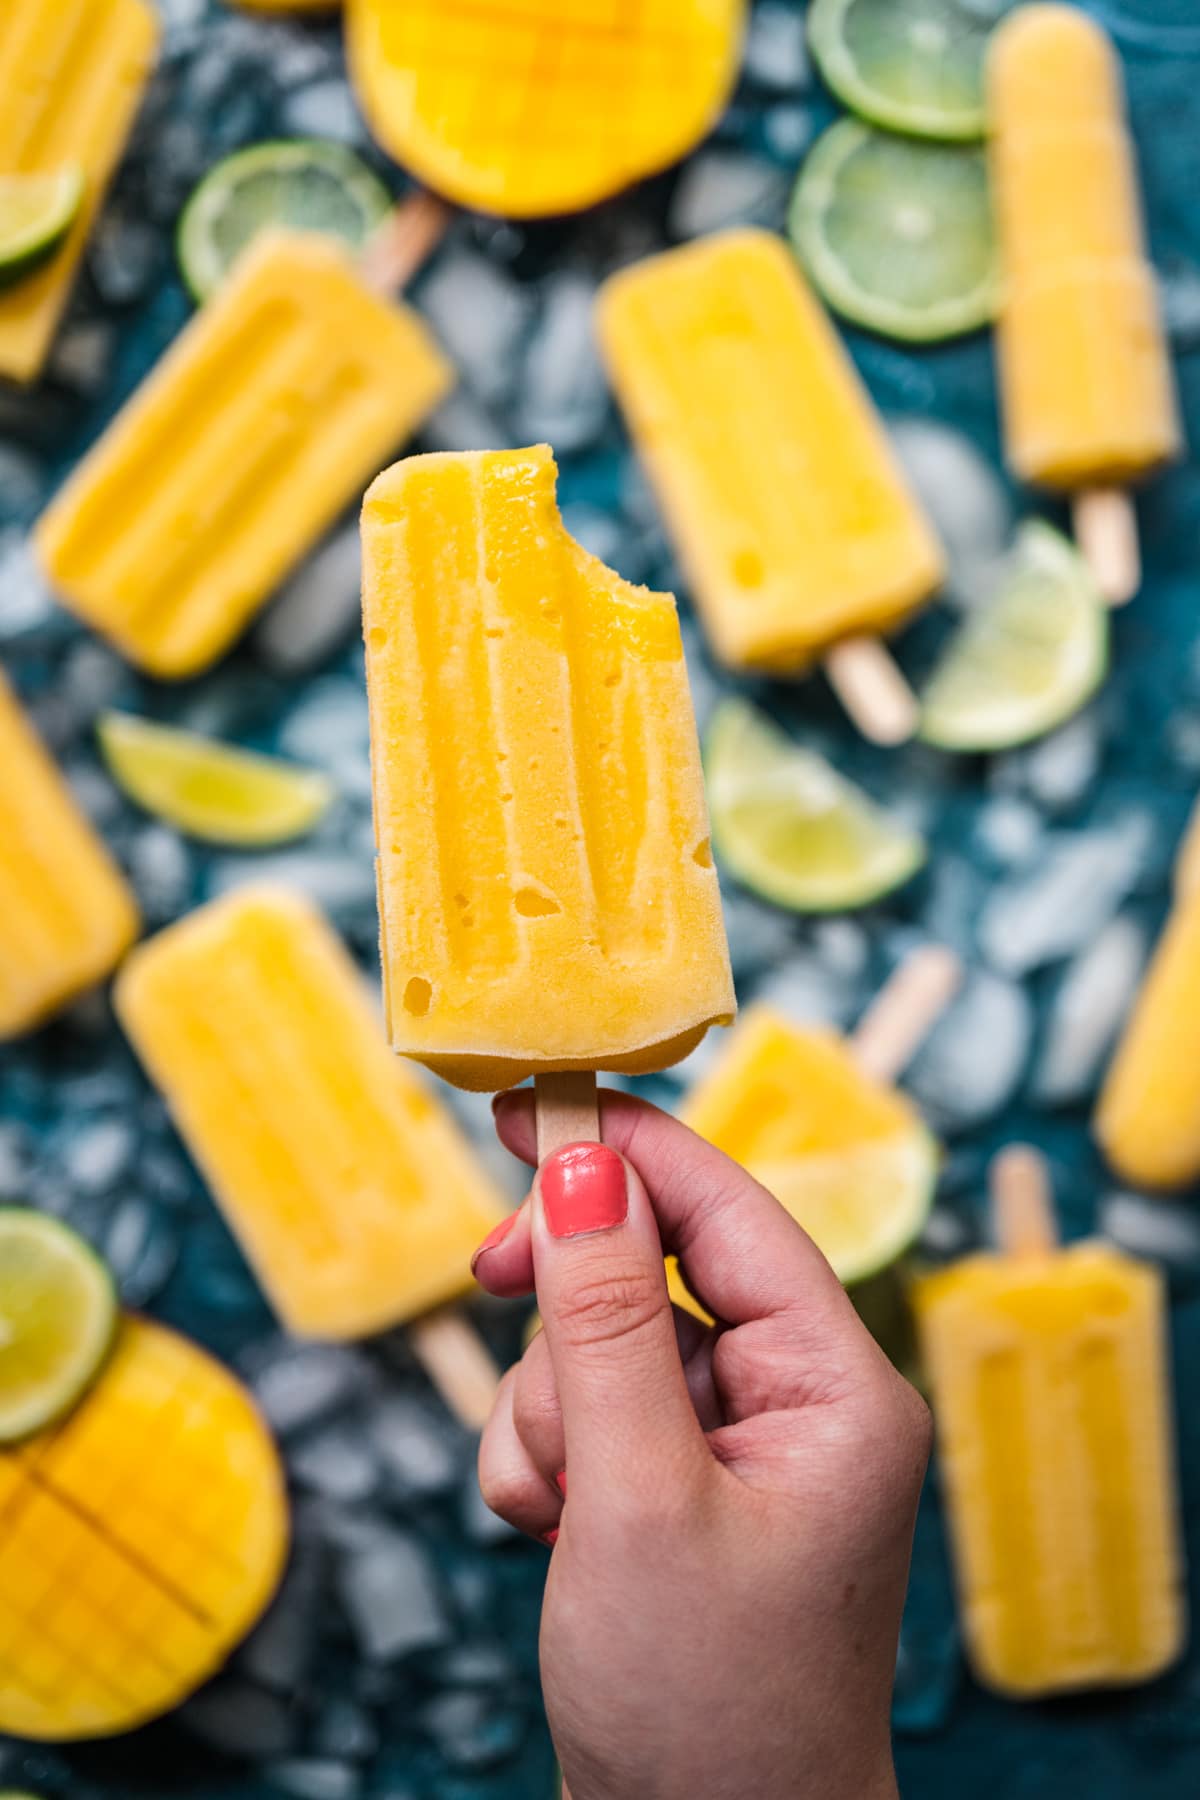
(67, 912)
(1051, 1394)
(265, 418)
(352, 1192)
(546, 885)
(789, 511)
(71, 78)
(545, 106)
(141, 1539)
(1148, 1118)
(1085, 378)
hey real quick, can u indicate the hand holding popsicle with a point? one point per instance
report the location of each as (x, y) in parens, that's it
(772, 1465)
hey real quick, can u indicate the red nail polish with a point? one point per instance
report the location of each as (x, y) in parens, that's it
(560, 1482)
(583, 1189)
(550, 1537)
(495, 1236)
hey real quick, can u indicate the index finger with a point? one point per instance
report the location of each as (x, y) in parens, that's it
(743, 1254)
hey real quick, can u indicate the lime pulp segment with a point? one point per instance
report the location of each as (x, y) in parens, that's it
(1024, 660)
(300, 184)
(36, 213)
(862, 1207)
(210, 790)
(791, 828)
(896, 234)
(910, 65)
(58, 1314)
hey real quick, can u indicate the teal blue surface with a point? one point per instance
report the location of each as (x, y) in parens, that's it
(80, 1132)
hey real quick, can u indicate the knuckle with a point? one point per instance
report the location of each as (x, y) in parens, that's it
(601, 1308)
(535, 1408)
(508, 1492)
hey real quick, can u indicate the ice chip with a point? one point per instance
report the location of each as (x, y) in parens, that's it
(972, 1062)
(1092, 1001)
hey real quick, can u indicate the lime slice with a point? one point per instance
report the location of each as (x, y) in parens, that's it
(911, 65)
(302, 183)
(211, 790)
(864, 1205)
(58, 1313)
(793, 829)
(897, 234)
(36, 213)
(1026, 659)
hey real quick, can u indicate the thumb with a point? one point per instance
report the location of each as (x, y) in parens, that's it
(602, 1291)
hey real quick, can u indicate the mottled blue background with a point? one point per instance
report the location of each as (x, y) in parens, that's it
(1040, 858)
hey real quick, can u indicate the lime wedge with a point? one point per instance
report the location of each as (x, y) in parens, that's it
(36, 213)
(793, 829)
(862, 1206)
(302, 183)
(210, 790)
(1026, 659)
(911, 65)
(897, 234)
(58, 1313)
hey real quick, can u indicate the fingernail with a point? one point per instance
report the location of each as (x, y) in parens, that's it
(550, 1537)
(583, 1189)
(495, 1236)
(560, 1482)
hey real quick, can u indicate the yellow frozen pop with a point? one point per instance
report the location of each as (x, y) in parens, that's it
(1051, 1392)
(271, 411)
(795, 526)
(355, 1197)
(71, 78)
(546, 884)
(1085, 380)
(1148, 1118)
(544, 106)
(140, 1539)
(66, 912)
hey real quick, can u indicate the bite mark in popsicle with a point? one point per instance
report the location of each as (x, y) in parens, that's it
(548, 900)
(1087, 393)
(794, 522)
(71, 77)
(1051, 1393)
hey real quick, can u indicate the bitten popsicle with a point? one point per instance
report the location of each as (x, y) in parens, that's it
(1051, 1393)
(1148, 1117)
(792, 518)
(1085, 380)
(72, 75)
(351, 1191)
(260, 424)
(547, 895)
(67, 915)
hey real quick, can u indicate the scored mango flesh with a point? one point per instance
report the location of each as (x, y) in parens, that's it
(140, 1539)
(529, 107)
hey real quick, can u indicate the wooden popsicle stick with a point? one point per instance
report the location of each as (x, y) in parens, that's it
(459, 1364)
(568, 1110)
(1023, 1222)
(396, 250)
(1106, 531)
(905, 1010)
(868, 682)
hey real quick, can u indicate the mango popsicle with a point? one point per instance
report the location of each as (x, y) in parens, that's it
(351, 1191)
(1086, 387)
(547, 894)
(68, 915)
(71, 79)
(793, 521)
(142, 1537)
(1051, 1393)
(263, 420)
(1148, 1117)
(546, 106)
